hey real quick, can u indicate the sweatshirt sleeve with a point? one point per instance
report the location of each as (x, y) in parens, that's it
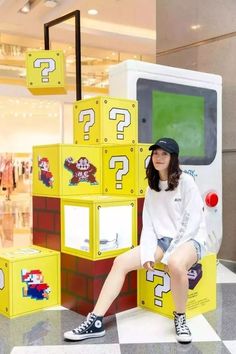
(148, 241)
(191, 216)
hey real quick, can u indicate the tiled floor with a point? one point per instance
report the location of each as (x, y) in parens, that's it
(136, 331)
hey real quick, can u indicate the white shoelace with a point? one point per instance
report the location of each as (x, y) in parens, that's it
(85, 324)
(180, 325)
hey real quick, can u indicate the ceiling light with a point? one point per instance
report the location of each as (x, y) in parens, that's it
(26, 8)
(50, 3)
(195, 27)
(93, 12)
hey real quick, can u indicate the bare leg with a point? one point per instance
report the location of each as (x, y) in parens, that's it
(122, 265)
(92, 326)
(179, 263)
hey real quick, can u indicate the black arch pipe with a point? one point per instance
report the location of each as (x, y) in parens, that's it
(75, 14)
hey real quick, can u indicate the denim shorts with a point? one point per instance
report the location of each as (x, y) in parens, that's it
(164, 244)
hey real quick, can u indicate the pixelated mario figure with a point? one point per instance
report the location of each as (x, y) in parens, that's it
(82, 170)
(44, 174)
(36, 288)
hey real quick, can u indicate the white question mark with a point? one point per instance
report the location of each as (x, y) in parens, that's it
(146, 161)
(89, 123)
(2, 279)
(50, 68)
(122, 124)
(122, 171)
(160, 288)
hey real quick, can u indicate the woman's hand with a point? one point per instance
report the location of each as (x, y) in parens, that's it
(149, 265)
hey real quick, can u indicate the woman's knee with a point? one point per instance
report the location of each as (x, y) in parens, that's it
(117, 261)
(119, 264)
(176, 267)
(128, 261)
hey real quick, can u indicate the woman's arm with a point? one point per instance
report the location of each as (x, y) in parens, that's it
(191, 216)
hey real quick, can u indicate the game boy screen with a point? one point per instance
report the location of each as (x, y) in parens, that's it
(185, 113)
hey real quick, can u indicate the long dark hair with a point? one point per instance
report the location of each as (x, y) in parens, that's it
(174, 173)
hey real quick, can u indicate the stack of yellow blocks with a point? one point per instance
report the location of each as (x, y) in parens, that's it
(98, 178)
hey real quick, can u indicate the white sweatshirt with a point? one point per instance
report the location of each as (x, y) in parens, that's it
(177, 214)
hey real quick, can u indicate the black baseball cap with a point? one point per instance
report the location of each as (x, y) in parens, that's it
(167, 144)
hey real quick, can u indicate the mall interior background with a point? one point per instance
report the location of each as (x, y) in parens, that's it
(187, 36)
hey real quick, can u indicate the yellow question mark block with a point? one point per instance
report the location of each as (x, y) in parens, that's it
(124, 169)
(66, 170)
(30, 280)
(154, 292)
(105, 120)
(45, 72)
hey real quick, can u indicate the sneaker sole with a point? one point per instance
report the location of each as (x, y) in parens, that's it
(183, 341)
(74, 337)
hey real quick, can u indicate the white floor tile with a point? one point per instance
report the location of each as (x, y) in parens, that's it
(224, 275)
(142, 326)
(56, 308)
(230, 345)
(69, 349)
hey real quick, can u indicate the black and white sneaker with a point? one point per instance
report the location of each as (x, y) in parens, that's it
(183, 334)
(92, 327)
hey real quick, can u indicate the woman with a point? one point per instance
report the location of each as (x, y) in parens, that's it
(173, 233)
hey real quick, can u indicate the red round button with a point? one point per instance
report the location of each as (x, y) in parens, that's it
(211, 199)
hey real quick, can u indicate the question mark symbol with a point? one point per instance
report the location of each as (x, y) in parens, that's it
(122, 171)
(160, 288)
(122, 124)
(89, 123)
(45, 72)
(146, 161)
(2, 279)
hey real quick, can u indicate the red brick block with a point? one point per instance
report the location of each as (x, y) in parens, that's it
(39, 238)
(68, 262)
(39, 203)
(45, 221)
(69, 301)
(126, 302)
(57, 223)
(94, 268)
(103, 266)
(94, 288)
(133, 281)
(84, 279)
(85, 266)
(53, 204)
(64, 279)
(125, 287)
(77, 284)
(112, 309)
(35, 219)
(54, 242)
(84, 307)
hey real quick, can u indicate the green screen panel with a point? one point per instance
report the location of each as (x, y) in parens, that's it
(185, 113)
(181, 117)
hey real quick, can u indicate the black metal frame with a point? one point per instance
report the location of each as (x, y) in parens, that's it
(75, 14)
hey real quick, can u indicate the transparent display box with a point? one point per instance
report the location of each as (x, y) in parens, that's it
(97, 227)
